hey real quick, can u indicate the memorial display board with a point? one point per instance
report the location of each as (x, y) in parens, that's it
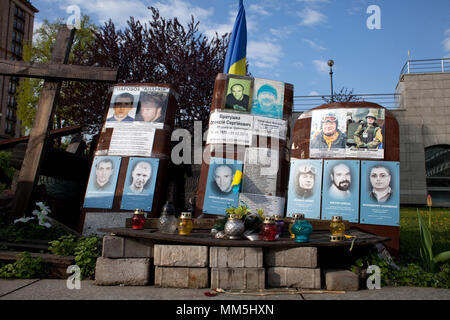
(136, 131)
(371, 134)
(259, 127)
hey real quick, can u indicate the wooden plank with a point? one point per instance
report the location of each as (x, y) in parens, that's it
(317, 239)
(57, 72)
(46, 257)
(5, 144)
(41, 127)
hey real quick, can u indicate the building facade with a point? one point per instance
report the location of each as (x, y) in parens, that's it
(16, 29)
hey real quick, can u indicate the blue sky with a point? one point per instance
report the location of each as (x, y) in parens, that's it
(291, 41)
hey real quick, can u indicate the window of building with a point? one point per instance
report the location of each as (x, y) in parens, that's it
(437, 165)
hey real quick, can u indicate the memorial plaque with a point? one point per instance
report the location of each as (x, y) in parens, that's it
(219, 193)
(380, 193)
(230, 128)
(328, 133)
(340, 195)
(268, 98)
(260, 171)
(365, 133)
(102, 182)
(305, 188)
(140, 181)
(270, 204)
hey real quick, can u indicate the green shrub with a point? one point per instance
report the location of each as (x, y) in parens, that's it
(85, 249)
(64, 246)
(86, 253)
(26, 267)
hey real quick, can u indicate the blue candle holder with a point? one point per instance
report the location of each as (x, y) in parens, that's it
(302, 229)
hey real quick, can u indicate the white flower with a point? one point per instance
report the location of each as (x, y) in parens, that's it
(23, 219)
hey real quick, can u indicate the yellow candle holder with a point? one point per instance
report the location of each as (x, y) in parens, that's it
(185, 225)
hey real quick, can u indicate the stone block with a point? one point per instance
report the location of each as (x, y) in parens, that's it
(305, 278)
(235, 257)
(132, 272)
(98, 220)
(179, 277)
(120, 247)
(301, 257)
(341, 280)
(181, 256)
(238, 278)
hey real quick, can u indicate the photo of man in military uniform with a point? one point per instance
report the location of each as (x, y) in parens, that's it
(369, 134)
(329, 137)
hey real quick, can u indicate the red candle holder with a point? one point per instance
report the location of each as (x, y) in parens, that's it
(138, 220)
(269, 229)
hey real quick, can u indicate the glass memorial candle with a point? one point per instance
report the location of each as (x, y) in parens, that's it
(295, 217)
(138, 220)
(269, 229)
(279, 222)
(185, 225)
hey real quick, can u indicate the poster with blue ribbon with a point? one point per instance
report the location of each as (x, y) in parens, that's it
(220, 194)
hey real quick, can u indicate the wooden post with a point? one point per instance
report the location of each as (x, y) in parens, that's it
(41, 127)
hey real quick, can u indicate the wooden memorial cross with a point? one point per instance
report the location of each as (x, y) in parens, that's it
(53, 73)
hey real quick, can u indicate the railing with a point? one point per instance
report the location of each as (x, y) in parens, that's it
(387, 100)
(426, 66)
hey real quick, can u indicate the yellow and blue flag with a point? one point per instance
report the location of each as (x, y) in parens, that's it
(235, 60)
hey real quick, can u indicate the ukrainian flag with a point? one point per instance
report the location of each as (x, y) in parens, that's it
(235, 61)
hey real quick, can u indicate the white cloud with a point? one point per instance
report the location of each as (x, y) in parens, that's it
(314, 45)
(447, 32)
(321, 66)
(282, 33)
(119, 11)
(310, 17)
(446, 43)
(263, 54)
(313, 93)
(256, 8)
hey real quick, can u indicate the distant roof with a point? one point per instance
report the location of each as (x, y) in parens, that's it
(29, 5)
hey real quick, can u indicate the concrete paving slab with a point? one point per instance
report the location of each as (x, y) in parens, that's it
(387, 293)
(56, 289)
(7, 286)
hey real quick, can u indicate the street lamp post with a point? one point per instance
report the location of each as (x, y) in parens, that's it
(331, 64)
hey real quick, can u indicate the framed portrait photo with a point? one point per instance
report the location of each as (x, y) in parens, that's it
(140, 181)
(219, 193)
(238, 94)
(102, 182)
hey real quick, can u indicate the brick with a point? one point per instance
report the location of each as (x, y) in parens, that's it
(341, 280)
(305, 278)
(132, 272)
(301, 257)
(178, 277)
(235, 257)
(181, 256)
(238, 278)
(120, 247)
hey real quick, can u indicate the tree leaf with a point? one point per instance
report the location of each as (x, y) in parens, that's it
(442, 257)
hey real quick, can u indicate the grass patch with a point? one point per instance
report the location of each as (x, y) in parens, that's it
(409, 232)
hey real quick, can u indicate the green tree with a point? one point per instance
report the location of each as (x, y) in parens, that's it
(29, 90)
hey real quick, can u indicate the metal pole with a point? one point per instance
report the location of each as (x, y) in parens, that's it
(331, 78)
(442, 64)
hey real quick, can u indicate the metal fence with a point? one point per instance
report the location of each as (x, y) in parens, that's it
(426, 66)
(387, 100)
